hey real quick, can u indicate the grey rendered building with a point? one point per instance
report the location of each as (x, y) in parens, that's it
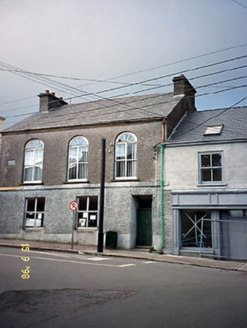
(205, 176)
(54, 157)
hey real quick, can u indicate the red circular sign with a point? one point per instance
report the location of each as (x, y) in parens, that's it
(73, 206)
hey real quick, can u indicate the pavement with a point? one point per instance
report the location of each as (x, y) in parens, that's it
(140, 254)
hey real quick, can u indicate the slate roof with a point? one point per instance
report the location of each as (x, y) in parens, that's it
(128, 109)
(193, 125)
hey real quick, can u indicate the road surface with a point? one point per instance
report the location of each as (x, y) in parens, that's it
(58, 290)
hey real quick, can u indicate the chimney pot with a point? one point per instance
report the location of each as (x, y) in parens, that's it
(49, 101)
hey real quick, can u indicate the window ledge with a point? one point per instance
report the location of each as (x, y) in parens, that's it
(33, 229)
(76, 181)
(212, 185)
(30, 183)
(124, 179)
(85, 229)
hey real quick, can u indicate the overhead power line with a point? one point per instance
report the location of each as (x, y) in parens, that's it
(150, 69)
(80, 93)
(143, 108)
(76, 90)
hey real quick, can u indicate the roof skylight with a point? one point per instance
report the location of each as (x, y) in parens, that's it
(213, 129)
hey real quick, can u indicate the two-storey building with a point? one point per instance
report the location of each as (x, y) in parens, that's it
(205, 182)
(54, 157)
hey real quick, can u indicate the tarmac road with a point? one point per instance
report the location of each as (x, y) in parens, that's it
(72, 290)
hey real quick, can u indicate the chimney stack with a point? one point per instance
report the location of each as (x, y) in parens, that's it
(49, 101)
(183, 87)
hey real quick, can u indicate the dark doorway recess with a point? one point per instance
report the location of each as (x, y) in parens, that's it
(144, 221)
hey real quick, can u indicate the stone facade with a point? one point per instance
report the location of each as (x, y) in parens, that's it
(126, 200)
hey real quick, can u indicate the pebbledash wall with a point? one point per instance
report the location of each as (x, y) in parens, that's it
(119, 214)
(120, 196)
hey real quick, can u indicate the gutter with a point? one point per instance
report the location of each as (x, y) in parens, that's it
(162, 182)
(161, 193)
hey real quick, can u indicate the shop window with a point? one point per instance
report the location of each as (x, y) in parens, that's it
(196, 229)
(34, 212)
(87, 214)
(210, 167)
(237, 213)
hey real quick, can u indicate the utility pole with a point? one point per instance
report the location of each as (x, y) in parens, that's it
(102, 192)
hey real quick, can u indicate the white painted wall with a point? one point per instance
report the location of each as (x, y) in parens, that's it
(181, 166)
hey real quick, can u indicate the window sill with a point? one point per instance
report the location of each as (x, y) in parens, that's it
(76, 181)
(33, 229)
(212, 184)
(86, 229)
(124, 179)
(31, 183)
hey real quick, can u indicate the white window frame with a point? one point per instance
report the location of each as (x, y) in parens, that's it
(85, 215)
(77, 162)
(36, 162)
(125, 139)
(37, 215)
(211, 167)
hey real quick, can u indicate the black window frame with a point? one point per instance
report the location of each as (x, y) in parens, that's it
(35, 212)
(87, 213)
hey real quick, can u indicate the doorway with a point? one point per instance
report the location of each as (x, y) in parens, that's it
(144, 222)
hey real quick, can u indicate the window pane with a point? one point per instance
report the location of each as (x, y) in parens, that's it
(30, 204)
(236, 213)
(206, 175)
(72, 172)
(79, 141)
(40, 204)
(35, 144)
(205, 160)
(38, 157)
(131, 151)
(28, 173)
(93, 203)
(120, 167)
(82, 203)
(37, 174)
(131, 169)
(82, 173)
(217, 175)
(29, 157)
(83, 154)
(30, 220)
(92, 220)
(72, 155)
(216, 159)
(120, 152)
(196, 229)
(39, 223)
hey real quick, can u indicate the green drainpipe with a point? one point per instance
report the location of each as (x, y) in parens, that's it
(161, 193)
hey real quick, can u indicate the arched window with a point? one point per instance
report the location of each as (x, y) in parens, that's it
(126, 149)
(78, 159)
(33, 163)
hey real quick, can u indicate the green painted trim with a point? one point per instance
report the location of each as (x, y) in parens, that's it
(161, 193)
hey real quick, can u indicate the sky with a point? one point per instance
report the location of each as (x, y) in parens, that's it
(86, 50)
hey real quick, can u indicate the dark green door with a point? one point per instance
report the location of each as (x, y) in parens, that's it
(144, 227)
